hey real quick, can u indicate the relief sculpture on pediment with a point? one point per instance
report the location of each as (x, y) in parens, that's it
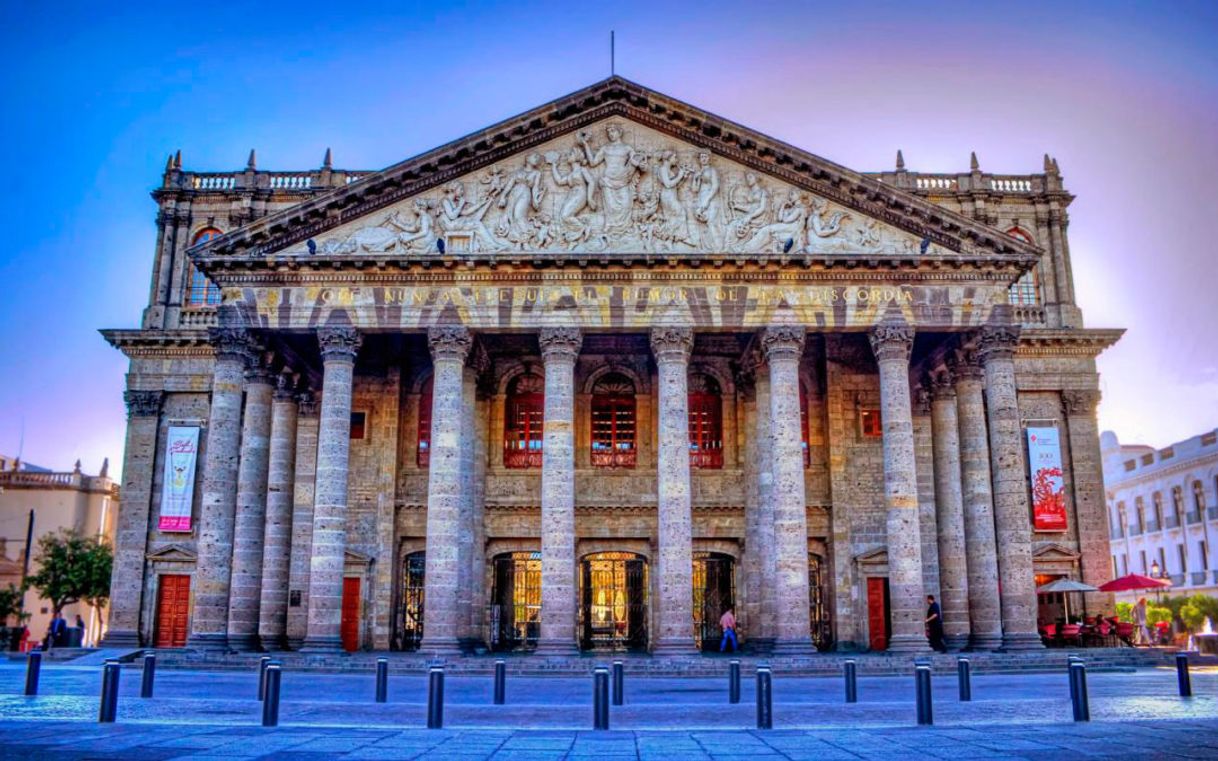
(617, 187)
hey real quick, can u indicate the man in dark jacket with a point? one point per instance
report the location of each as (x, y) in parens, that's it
(934, 625)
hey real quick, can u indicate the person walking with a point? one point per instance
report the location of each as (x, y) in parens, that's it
(1139, 621)
(934, 625)
(728, 623)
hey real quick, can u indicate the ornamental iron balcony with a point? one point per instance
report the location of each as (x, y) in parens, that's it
(611, 459)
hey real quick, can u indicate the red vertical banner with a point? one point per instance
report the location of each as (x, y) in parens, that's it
(1048, 486)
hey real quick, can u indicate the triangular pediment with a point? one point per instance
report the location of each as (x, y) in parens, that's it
(615, 168)
(174, 553)
(1055, 553)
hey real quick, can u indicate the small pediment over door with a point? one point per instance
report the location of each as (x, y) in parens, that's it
(174, 553)
(1055, 560)
(873, 562)
(355, 562)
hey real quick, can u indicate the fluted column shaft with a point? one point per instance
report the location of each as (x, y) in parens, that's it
(559, 350)
(783, 346)
(277, 542)
(213, 569)
(303, 486)
(892, 344)
(949, 515)
(674, 627)
(245, 591)
(135, 504)
(339, 346)
(449, 347)
(981, 560)
(1012, 509)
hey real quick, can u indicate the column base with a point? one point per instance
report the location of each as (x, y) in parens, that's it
(760, 645)
(979, 642)
(909, 643)
(793, 646)
(956, 642)
(329, 644)
(244, 643)
(675, 647)
(121, 638)
(556, 648)
(1022, 641)
(295, 643)
(207, 642)
(273, 642)
(438, 646)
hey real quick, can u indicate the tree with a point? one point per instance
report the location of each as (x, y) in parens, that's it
(1193, 618)
(72, 568)
(10, 605)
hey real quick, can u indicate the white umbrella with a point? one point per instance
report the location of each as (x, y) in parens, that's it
(1065, 586)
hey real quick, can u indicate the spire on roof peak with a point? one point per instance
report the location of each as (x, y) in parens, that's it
(326, 163)
(973, 164)
(177, 159)
(252, 163)
(900, 161)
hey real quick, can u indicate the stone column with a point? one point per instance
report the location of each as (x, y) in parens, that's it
(783, 346)
(339, 345)
(213, 568)
(277, 547)
(465, 537)
(1012, 508)
(135, 502)
(1090, 509)
(981, 560)
(892, 343)
(303, 480)
(449, 347)
(245, 589)
(765, 513)
(949, 514)
(674, 631)
(559, 350)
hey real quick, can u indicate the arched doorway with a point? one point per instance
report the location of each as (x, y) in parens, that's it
(412, 601)
(613, 596)
(714, 592)
(516, 601)
(818, 604)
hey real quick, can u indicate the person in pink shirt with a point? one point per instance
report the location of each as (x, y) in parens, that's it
(728, 622)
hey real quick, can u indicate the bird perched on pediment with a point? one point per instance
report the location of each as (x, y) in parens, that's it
(312, 244)
(925, 244)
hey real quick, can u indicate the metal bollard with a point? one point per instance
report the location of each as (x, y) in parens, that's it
(1182, 676)
(1070, 661)
(108, 709)
(926, 714)
(765, 698)
(733, 682)
(33, 669)
(382, 680)
(850, 668)
(1078, 691)
(263, 662)
(270, 703)
(435, 698)
(149, 676)
(619, 687)
(964, 676)
(600, 698)
(500, 682)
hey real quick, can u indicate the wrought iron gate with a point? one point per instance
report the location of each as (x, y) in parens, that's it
(818, 605)
(613, 602)
(516, 610)
(714, 592)
(412, 601)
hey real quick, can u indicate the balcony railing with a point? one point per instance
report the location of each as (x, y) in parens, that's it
(607, 458)
(1135, 530)
(1116, 533)
(1198, 578)
(1211, 513)
(1152, 527)
(1177, 579)
(1171, 521)
(521, 458)
(709, 460)
(1193, 517)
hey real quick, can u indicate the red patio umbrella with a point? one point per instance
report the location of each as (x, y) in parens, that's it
(1132, 582)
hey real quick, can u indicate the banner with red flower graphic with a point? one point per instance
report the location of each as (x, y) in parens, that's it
(178, 487)
(1048, 487)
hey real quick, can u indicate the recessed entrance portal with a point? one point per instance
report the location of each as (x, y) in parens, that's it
(818, 604)
(412, 601)
(516, 606)
(613, 591)
(172, 610)
(714, 593)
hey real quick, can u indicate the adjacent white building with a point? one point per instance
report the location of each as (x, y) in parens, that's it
(1163, 511)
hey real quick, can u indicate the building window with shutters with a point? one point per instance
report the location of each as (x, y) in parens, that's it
(705, 423)
(613, 422)
(522, 425)
(202, 292)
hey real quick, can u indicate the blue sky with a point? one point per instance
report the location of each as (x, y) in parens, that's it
(1125, 95)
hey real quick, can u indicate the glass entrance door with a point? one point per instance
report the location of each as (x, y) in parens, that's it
(516, 606)
(613, 593)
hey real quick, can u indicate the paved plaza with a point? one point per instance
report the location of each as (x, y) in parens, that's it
(216, 714)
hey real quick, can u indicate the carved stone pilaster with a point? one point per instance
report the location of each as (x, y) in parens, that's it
(143, 403)
(892, 340)
(339, 343)
(783, 341)
(449, 342)
(672, 344)
(561, 344)
(1081, 401)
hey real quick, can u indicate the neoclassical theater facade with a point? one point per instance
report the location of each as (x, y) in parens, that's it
(591, 376)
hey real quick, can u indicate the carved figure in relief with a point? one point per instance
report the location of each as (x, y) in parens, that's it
(818, 225)
(708, 208)
(675, 227)
(622, 162)
(753, 201)
(868, 234)
(421, 236)
(459, 214)
(581, 196)
(792, 218)
(520, 194)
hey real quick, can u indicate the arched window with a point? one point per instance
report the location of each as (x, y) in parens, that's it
(1026, 290)
(203, 292)
(424, 457)
(613, 422)
(705, 423)
(522, 428)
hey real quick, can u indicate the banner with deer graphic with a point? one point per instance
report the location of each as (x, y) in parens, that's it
(177, 493)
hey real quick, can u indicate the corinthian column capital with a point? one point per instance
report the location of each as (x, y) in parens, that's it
(230, 342)
(143, 403)
(285, 386)
(339, 343)
(965, 365)
(998, 342)
(559, 344)
(258, 365)
(942, 384)
(892, 340)
(1081, 401)
(672, 344)
(783, 341)
(449, 342)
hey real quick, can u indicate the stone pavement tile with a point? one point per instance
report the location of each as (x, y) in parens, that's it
(529, 755)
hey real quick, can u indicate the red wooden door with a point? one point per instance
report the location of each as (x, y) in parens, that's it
(877, 612)
(350, 624)
(172, 610)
